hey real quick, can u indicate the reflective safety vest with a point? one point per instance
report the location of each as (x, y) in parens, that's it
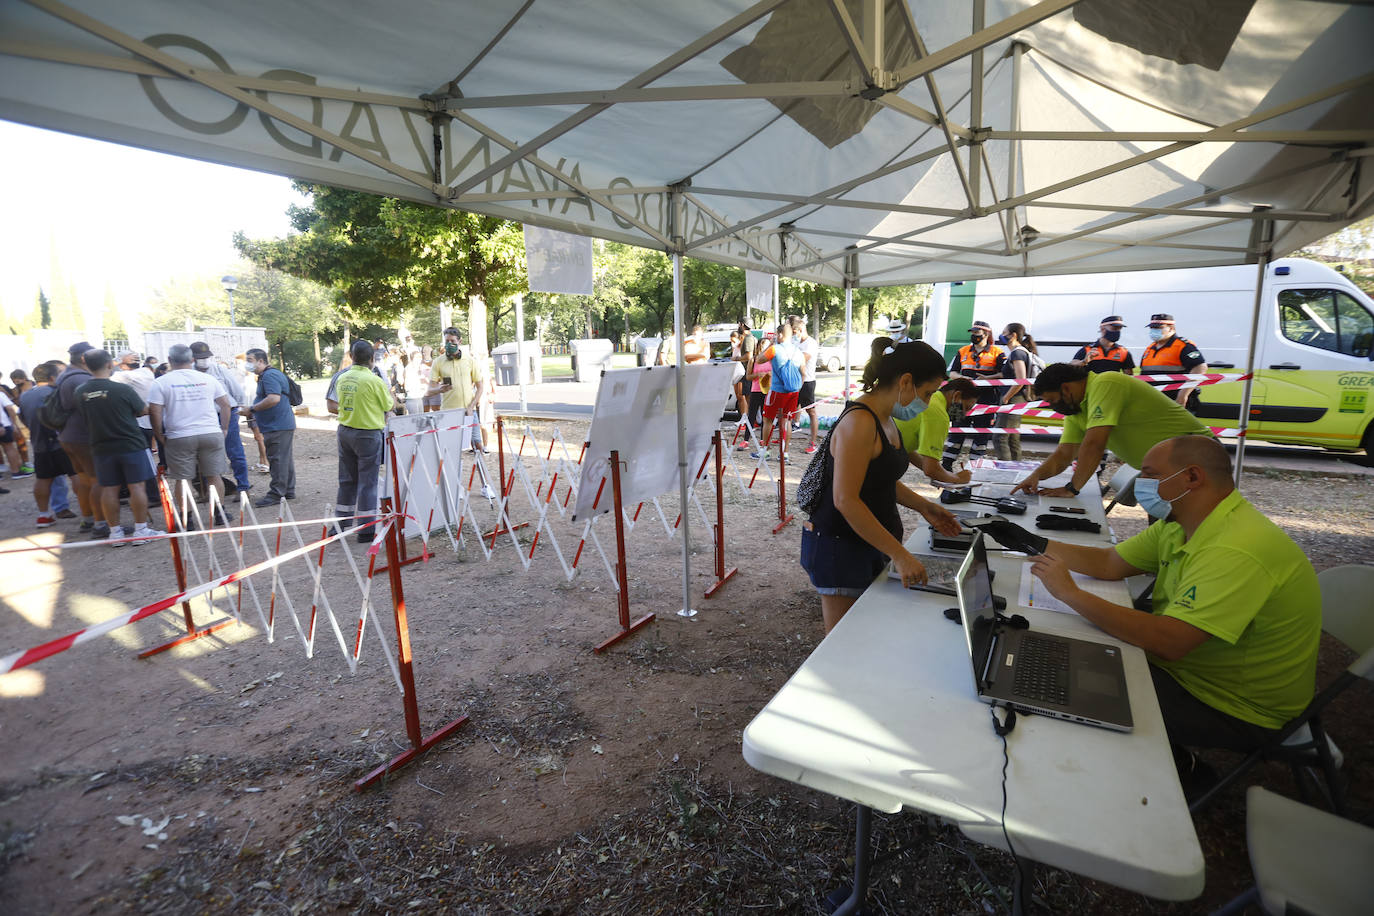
(1099, 359)
(971, 363)
(1169, 356)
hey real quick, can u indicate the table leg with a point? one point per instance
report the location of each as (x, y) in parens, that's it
(852, 904)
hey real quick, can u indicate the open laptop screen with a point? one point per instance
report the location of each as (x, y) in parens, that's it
(974, 585)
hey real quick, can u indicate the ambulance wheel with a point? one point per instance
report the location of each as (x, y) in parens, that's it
(1367, 460)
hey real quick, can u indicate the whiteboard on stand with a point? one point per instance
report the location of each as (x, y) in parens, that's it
(636, 415)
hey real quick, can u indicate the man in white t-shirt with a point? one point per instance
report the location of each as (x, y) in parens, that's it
(190, 414)
(806, 400)
(130, 371)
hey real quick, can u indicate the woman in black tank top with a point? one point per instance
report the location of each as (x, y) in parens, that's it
(855, 527)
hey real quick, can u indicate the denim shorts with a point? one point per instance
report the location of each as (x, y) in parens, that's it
(838, 565)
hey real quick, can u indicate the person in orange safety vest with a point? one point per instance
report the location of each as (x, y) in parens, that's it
(1106, 354)
(979, 358)
(1169, 353)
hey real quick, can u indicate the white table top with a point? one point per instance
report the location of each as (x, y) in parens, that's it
(884, 714)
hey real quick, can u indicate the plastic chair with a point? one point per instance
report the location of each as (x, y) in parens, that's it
(1305, 860)
(1348, 615)
(1122, 485)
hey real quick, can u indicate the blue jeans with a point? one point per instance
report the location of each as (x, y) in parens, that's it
(360, 461)
(233, 450)
(58, 499)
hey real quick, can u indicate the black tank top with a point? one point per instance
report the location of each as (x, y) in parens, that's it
(878, 490)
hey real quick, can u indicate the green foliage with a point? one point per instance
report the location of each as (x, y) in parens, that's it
(383, 257)
(44, 310)
(299, 357)
(289, 308)
(187, 302)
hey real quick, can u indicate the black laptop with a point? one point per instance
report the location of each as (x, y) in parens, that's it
(1043, 673)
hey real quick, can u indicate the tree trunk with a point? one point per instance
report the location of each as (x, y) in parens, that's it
(477, 325)
(815, 327)
(316, 337)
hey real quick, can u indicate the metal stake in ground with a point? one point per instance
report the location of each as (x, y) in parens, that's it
(722, 575)
(418, 743)
(622, 583)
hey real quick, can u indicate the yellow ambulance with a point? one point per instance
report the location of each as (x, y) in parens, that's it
(1314, 362)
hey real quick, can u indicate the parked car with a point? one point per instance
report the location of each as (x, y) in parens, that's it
(831, 353)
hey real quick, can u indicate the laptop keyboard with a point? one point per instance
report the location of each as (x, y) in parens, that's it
(1042, 670)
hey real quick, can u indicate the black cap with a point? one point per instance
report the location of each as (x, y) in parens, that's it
(78, 348)
(1113, 319)
(200, 350)
(1159, 317)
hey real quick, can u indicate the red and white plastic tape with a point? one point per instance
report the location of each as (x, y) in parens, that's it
(18, 660)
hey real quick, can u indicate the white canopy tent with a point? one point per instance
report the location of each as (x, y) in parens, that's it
(845, 142)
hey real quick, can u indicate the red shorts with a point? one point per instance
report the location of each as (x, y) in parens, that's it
(780, 401)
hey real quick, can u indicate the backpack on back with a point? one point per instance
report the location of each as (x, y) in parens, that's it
(786, 374)
(52, 414)
(294, 395)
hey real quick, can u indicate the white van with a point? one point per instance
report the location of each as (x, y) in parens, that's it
(1313, 371)
(831, 353)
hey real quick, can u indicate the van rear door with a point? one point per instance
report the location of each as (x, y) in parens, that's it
(1315, 360)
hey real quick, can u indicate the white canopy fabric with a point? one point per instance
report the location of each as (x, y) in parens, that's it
(936, 141)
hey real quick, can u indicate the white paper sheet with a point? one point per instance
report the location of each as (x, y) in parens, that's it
(1033, 593)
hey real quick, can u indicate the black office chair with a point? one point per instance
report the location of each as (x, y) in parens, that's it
(1348, 615)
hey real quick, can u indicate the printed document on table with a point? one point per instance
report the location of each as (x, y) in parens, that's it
(1033, 593)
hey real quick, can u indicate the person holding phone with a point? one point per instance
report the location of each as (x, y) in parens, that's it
(456, 375)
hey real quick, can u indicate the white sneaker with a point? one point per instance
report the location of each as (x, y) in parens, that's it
(143, 534)
(488, 491)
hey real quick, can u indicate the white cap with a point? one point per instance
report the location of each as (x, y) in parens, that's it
(896, 326)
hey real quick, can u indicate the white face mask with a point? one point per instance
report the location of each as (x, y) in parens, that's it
(202, 364)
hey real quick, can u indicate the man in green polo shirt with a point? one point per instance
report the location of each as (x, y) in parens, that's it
(925, 438)
(363, 405)
(1232, 639)
(1103, 410)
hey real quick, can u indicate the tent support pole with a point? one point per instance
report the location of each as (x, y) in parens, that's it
(520, 366)
(850, 262)
(1261, 238)
(680, 395)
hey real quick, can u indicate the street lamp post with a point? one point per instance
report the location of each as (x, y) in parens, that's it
(230, 284)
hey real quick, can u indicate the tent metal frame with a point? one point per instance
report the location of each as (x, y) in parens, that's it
(866, 45)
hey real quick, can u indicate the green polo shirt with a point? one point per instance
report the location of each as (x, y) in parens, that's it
(1244, 582)
(926, 434)
(1141, 416)
(364, 399)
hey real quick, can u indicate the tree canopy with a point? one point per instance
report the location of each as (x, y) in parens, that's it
(382, 257)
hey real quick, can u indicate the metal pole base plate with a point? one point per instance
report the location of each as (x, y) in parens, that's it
(687, 612)
(400, 760)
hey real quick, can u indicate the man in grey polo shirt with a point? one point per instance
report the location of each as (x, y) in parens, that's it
(190, 414)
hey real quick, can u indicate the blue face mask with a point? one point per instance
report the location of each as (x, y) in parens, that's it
(1147, 494)
(1003, 339)
(910, 410)
(1156, 333)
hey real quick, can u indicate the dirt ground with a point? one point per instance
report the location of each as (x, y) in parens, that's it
(580, 784)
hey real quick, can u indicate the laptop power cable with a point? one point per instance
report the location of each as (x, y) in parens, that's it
(1003, 727)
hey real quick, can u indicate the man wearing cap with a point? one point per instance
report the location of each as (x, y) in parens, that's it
(896, 330)
(1106, 353)
(76, 440)
(1103, 410)
(233, 443)
(980, 358)
(1171, 354)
